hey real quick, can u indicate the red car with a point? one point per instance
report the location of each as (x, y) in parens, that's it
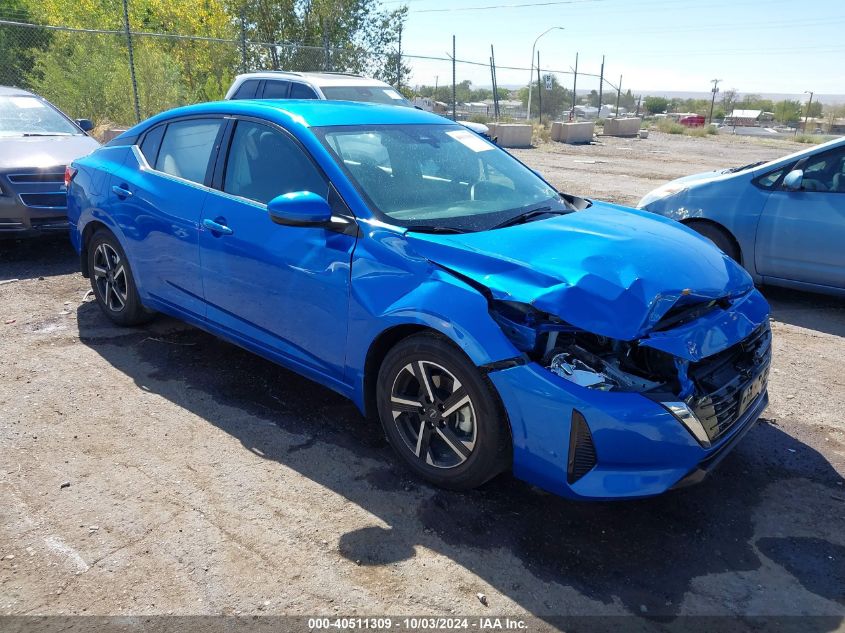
(694, 120)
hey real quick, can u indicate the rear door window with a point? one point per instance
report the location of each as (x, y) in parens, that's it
(275, 89)
(247, 89)
(187, 147)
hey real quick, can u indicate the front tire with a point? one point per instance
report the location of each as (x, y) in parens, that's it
(112, 281)
(440, 414)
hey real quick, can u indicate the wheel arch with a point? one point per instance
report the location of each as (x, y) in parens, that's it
(87, 233)
(691, 222)
(388, 339)
(376, 353)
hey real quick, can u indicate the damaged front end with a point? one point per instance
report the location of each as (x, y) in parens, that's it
(707, 393)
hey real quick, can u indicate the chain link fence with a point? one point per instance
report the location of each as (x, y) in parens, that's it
(117, 77)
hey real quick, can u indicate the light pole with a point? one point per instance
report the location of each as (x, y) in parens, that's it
(531, 71)
(715, 89)
(807, 113)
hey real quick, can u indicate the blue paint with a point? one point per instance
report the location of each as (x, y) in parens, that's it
(315, 299)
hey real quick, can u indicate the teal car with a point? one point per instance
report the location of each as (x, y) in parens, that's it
(783, 220)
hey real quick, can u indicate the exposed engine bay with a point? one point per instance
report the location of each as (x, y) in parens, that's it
(606, 364)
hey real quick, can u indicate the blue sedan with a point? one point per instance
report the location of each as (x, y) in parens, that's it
(783, 220)
(486, 320)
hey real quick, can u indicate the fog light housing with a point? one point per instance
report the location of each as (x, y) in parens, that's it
(582, 451)
(687, 417)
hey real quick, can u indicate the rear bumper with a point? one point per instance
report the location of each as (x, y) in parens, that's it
(641, 449)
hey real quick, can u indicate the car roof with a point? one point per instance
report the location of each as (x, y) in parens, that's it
(295, 113)
(316, 79)
(9, 91)
(306, 113)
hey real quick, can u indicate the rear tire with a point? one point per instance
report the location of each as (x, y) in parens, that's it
(112, 281)
(440, 414)
(720, 238)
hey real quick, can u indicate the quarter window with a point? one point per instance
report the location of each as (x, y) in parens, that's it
(151, 143)
(264, 163)
(187, 147)
(301, 91)
(276, 90)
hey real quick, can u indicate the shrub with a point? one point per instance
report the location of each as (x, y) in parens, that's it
(809, 139)
(670, 127)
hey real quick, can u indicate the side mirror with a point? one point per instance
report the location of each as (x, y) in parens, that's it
(299, 208)
(792, 180)
(85, 124)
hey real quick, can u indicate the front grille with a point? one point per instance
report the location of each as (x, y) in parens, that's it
(53, 176)
(48, 200)
(728, 382)
(582, 452)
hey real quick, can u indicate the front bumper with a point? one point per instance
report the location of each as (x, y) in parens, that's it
(641, 449)
(32, 203)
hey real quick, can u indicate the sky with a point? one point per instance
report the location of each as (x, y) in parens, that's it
(753, 46)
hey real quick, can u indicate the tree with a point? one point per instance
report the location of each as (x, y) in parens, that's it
(814, 110)
(729, 100)
(18, 46)
(359, 33)
(656, 105)
(555, 101)
(787, 111)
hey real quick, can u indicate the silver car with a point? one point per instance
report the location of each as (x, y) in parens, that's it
(783, 220)
(37, 141)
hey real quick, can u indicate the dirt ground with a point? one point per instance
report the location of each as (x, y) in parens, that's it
(159, 470)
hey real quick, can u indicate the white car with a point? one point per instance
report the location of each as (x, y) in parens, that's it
(278, 84)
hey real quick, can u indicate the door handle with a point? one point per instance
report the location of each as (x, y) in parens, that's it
(121, 191)
(217, 227)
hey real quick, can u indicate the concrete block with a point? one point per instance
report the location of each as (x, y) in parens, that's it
(573, 132)
(513, 134)
(622, 127)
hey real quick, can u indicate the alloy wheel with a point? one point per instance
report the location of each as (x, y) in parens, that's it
(434, 414)
(110, 277)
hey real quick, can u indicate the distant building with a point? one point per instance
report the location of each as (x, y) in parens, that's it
(749, 118)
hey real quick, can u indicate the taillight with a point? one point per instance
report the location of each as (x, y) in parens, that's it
(70, 172)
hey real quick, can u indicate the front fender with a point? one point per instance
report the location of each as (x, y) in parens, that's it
(391, 286)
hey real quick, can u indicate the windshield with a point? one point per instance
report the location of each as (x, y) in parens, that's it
(369, 94)
(30, 116)
(440, 176)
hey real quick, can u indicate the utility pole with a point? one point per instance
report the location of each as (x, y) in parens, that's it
(539, 91)
(618, 95)
(131, 60)
(715, 89)
(399, 61)
(807, 113)
(574, 89)
(495, 83)
(243, 42)
(601, 85)
(454, 90)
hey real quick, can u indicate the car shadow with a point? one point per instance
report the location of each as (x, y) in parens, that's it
(643, 554)
(37, 257)
(823, 313)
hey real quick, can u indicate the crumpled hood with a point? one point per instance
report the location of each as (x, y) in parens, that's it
(608, 270)
(43, 151)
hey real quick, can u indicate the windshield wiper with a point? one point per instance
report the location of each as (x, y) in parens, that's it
(733, 170)
(525, 216)
(45, 134)
(425, 228)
